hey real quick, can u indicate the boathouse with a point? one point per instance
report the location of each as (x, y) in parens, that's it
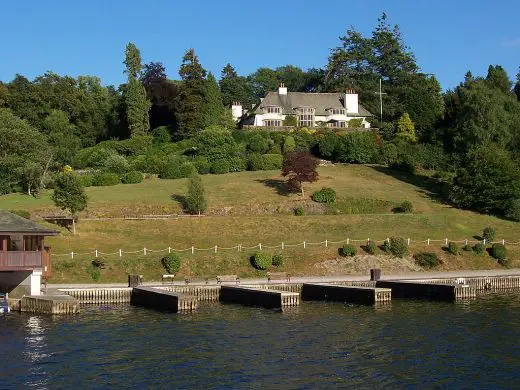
(24, 259)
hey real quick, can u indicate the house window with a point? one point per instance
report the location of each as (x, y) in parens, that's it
(273, 123)
(273, 110)
(338, 124)
(306, 117)
(336, 111)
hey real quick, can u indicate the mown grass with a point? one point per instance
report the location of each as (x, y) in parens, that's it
(245, 209)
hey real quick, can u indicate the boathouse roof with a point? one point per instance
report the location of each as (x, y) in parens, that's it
(12, 223)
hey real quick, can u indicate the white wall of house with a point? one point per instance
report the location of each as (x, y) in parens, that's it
(260, 118)
(236, 111)
(20, 283)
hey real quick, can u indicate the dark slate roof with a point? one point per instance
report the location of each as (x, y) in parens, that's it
(13, 223)
(319, 101)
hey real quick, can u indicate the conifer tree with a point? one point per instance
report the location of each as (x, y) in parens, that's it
(234, 88)
(214, 112)
(517, 85)
(136, 100)
(195, 200)
(406, 128)
(191, 103)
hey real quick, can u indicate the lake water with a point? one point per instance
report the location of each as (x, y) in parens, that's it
(407, 344)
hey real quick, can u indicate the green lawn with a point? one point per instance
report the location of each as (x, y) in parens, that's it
(244, 210)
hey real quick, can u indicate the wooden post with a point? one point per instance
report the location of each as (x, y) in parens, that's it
(192, 249)
(326, 243)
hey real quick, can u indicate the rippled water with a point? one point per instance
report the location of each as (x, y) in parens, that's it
(319, 345)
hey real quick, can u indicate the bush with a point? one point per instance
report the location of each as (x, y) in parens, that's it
(489, 234)
(105, 179)
(258, 144)
(398, 246)
(479, 248)
(202, 165)
(255, 162)
(220, 166)
(188, 169)
(262, 260)
(172, 168)
(453, 249)
(86, 180)
(404, 166)
(298, 211)
(195, 200)
(237, 164)
(272, 161)
(357, 148)
(116, 164)
(405, 207)
(325, 195)
(132, 177)
(467, 248)
(94, 273)
(21, 213)
(427, 259)
(513, 210)
(386, 247)
(275, 149)
(277, 260)
(171, 263)
(161, 135)
(371, 247)
(289, 145)
(499, 252)
(348, 250)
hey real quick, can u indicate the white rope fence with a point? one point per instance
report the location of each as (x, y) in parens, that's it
(282, 246)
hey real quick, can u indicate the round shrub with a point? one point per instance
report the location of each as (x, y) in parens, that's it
(325, 195)
(220, 166)
(275, 149)
(188, 169)
(272, 161)
(371, 248)
(258, 144)
(479, 248)
(105, 179)
(202, 165)
(406, 206)
(348, 251)
(298, 211)
(398, 246)
(277, 260)
(132, 177)
(116, 164)
(289, 144)
(262, 260)
(255, 162)
(237, 164)
(427, 259)
(171, 263)
(453, 249)
(499, 252)
(489, 234)
(86, 180)
(386, 247)
(467, 248)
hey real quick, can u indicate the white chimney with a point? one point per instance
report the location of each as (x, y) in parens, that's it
(351, 102)
(236, 111)
(282, 89)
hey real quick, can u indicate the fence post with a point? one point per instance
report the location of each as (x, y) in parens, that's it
(169, 249)
(96, 252)
(144, 251)
(304, 245)
(503, 242)
(120, 253)
(192, 249)
(446, 241)
(428, 242)
(71, 255)
(260, 246)
(368, 241)
(326, 243)
(484, 241)
(348, 241)
(215, 249)
(466, 242)
(283, 246)
(408, 242)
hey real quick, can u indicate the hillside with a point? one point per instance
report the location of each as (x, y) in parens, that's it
(249, 208)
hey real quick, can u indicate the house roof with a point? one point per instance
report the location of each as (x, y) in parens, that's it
(12, 223)
(319, 101)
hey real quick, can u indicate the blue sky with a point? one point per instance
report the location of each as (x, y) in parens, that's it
(89, 37)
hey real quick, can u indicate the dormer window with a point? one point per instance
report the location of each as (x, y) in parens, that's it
(273, 110)
(336, 111)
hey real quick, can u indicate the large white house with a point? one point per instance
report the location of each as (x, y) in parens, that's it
(308, 109)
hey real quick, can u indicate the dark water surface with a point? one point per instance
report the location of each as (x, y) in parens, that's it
(407, 344)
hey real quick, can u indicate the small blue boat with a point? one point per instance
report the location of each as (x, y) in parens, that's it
(4, 306)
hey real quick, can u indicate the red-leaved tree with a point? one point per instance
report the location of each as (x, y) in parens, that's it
(300, 167)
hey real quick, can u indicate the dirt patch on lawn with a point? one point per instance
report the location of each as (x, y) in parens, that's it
(362, 264)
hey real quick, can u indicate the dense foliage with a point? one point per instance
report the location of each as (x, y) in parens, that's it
(195, 200)
(499, 252)
(262, 260)
(69, 194)
(398, 246)
(348, 251)
(427, 259)
(171, 263)
(325, 195)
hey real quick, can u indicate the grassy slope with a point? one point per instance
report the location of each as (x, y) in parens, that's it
(244, 210)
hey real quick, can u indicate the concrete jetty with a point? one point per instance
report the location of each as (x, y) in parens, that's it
(163, 300)
(431, 291)
(342, 293)
(250, 296)
(49, 304)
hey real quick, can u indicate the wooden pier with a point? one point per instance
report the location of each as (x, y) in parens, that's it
(268, 298)
(163, 300)
(49, 304)
(431, 291)
(99, 296)
(347, 294)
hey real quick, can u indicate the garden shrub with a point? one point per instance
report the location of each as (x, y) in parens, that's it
(348, 250)
(272, 161)
(21, 213)
(94, 273)
(479, 248)
(489, 234)
(258, 144)
(325, 195)
(187, 169)
(327, 145)
(404, 207)
(467, 248)
(453, 248)
(116, 164)
(398, 246)
(357, 148)
(277, 260)
(289, 145)
(275, 149)
(389, 154)
(427, 259)
(105, 179)
(86, 180)
(262, 260)
(298, 211)
(371, 247)
(132, 177)
(220, 166)
(513, 210)
(255, 162)
(161, 135)
(171, 263)
(386, 247)
(499, 252)
(237, 164)
(171, 169)
(202, 165)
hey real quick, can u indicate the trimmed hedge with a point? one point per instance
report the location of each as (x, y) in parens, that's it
(105, 179)
(202, 165)
(220, 166)
(427, 259)
(264, 162)
(325, 195)
(262, 260)
(237, 164)
(499, 252)
(348, 251)
(132, 177)
(171, 263)
(86, 180)
(277, 260)
(398, 246)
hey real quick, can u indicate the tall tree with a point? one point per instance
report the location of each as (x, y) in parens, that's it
(235, 88)
(191, 102)
(62, 137)
(497, 77)
(214, 112)
(517, 85)
(137, 103)
(195, 200)
(69, 195)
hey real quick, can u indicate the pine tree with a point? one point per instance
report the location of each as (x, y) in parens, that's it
(195, 200)
(136, 100)
(191, 103)
(406, 128)
(497, 77)
(234, 88)
(214, 112)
